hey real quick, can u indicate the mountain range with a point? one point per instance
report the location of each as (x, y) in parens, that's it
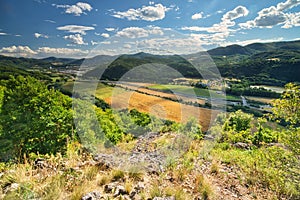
(273, 63)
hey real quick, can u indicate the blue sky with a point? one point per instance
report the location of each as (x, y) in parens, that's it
(65, 28)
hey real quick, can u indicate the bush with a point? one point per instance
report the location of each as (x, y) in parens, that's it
(33, 118)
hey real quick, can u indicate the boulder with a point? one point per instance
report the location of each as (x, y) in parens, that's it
(95, 195)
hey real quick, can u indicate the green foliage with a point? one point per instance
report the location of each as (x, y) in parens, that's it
(33, 118)
(193, 129)
(273, 167)
(240, 127)
(141, 119)
(288, 106)
(112, 130)
(238, 121)
(264, 134)
(291, 138)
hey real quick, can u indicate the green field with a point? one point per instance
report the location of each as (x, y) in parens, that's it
(267, 87)
(194, 91)
(103, 91)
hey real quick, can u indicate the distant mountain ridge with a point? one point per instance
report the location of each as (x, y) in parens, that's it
(254, 48)
(268, 63)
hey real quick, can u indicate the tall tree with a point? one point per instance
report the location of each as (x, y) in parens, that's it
(288, 106)
(34, 118)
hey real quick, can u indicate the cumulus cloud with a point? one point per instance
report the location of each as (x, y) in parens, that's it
(39, 35)
(275, 15)
(76, 29)
(287, 5)
(61, 52)
(293, 19)
(17, 51)
(75, 39)
(94, 42)
(238, 12)
(220, 31)
(110, 29)
(77, 9)
(25, 51)
(226, 22)
(105, 35)
(197, 16)
(136, 32)
(147, 13)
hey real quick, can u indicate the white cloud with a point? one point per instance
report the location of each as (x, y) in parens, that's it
(25, 51)
(238, 12)
(110, 29)
(220, 31)
(133, 32)
(147, 13)
(75, 29)
(50, 21)
(127, 46)
(197, 16)
(17, 51)
(61, 52)
(105, 42)
(105, 35)
(136, 32)
(151, 3)
(94, 42)
(76, 39)
(293, 19)
(251, 41)
(1, 33)
(77, 9)
(223, 26)
(275, 15)
(287, 5)
(39, 35)
(220, 11)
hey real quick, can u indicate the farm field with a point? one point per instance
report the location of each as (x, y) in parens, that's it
(120, 98)
(194, 91)
(260, 99)
(141, 87)
(272, 88)
(161, 108)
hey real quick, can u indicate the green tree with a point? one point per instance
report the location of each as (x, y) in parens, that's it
(34, 118)
(238, 121)
(288, 109)
(288, 106)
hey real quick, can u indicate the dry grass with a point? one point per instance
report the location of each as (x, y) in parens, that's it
(204, 187)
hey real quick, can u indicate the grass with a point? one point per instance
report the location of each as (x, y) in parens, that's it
(269, 167)
(155, 191)
(117, 174)
(214, 168)
(136, 173)
(203, 186)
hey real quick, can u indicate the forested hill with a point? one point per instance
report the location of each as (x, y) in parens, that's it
(266, 63)
(274, 63)
(255, 48)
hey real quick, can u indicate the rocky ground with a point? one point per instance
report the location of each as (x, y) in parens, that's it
(158, 167)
